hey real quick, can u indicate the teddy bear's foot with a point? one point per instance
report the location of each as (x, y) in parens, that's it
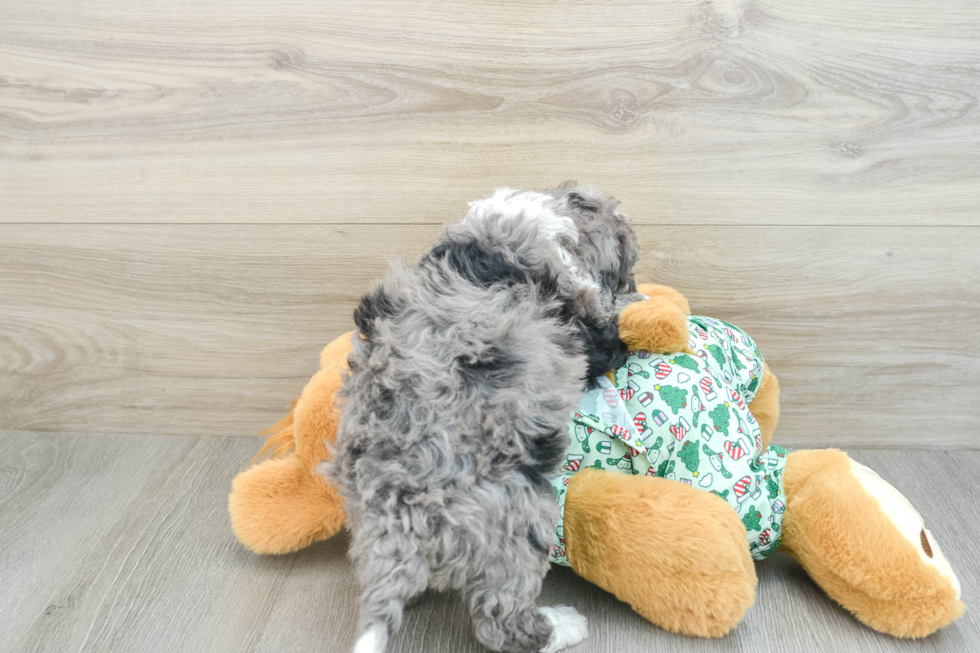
(281, 505)
(866, 546)
(676, 554)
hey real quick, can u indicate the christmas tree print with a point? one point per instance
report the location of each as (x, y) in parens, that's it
(717, 353)
(739, 365)
(690, 457)
(772, 487)
(663, 394)
(676, 398)
(751, 519)
(685, 361)
(719, 416)
(716, 462)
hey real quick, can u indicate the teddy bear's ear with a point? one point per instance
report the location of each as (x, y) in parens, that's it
(658, 324)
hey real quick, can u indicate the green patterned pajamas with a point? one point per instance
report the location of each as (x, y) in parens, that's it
(685, 418)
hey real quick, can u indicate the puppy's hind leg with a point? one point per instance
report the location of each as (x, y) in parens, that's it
(501, 595)
(501, 602)
(391, 571)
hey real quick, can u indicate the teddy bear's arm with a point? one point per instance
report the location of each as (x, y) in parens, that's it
(765, 405)
(657, 324)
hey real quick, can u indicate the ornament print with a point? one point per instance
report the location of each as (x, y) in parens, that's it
(685, 417)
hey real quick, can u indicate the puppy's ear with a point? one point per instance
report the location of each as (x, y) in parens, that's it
(604, 351)
(629, 254)
(374, 305)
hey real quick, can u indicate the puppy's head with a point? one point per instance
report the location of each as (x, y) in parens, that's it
(570, 239)
(573, 233)
(605, 251)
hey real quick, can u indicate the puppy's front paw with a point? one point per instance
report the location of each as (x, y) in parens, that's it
(570, 628)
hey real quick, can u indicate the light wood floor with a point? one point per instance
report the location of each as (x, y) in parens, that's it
(193, 195)
(121, 543)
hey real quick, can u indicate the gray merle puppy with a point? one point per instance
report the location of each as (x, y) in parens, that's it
(462, 381)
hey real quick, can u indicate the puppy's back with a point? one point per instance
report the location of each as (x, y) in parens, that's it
(451, 377)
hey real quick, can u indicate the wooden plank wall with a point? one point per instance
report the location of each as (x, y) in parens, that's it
(193, 194)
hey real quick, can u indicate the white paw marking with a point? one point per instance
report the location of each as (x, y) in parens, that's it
(374, 640)
(570, 628)
(906, 519)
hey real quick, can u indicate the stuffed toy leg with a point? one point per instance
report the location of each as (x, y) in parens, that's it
(282, 504)
(856, 536)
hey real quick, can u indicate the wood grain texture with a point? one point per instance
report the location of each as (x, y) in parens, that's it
(810, 171)
(207, 330)
(121, 543)
(719, 111)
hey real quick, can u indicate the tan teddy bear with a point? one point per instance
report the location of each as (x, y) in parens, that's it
(856, 536)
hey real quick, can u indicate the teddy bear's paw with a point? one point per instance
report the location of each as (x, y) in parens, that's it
(665, 294)
(907, 521)
(654, 327)
(569, 628)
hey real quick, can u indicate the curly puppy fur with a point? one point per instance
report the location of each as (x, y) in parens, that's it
(461, 383)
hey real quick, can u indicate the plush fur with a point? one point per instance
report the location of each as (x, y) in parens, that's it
(657, 324)
(621, 533)
(283, 504)
(466, 369)
(849, 546)
(765, 405)
(660, 296)
(840, 533)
